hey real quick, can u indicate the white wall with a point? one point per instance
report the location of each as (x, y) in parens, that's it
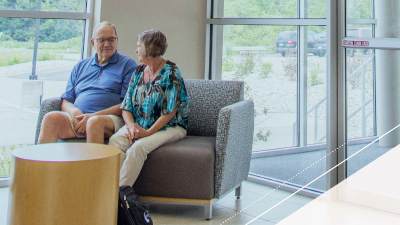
(183, 21)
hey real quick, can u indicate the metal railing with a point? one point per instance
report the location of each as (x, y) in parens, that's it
(362, 109)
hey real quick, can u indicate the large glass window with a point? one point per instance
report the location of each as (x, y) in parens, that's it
(279, 49)
(45, 5)
(371, 83)
(264, 64)
(37, 54)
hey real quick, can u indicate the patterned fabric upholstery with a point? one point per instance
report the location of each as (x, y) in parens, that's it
(207, 98)
(233, 146)
(48, 105)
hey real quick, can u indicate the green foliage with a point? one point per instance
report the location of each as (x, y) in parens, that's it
(5, 160)
(260, 8)
(50, 30)
(246, 67)
(290, 68)
(314, 76)
(248, 93)
(228, 65)
(359, 9)
(14, 52)
(263, 135)
(13, 59)
(265, 69)
(45, 5)
(48, 56)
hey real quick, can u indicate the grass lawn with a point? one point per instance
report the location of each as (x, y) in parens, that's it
(5, 161)
(13, 52)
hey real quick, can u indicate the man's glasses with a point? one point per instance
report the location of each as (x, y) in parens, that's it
(110, 40)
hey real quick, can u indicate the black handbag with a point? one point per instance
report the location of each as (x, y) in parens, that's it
(130, 210)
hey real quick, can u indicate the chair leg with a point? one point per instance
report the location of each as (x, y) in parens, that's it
(238, 192)
(208, 210)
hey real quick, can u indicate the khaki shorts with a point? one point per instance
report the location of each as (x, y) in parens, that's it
(117, 121)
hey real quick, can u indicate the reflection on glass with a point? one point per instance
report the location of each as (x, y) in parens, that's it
(60, 44)
(371, 112)
(359, 9)
(255, 8)
(270, 79)
(59, 48)
(316, 85)
(359, 30)
(47, 5)
(16, 44)
(316, 8)
(360, 95)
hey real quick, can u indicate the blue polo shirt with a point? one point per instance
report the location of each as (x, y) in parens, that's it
(93, 87)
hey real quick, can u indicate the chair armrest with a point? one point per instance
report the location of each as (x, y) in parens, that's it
(47, 105)
(233, 148)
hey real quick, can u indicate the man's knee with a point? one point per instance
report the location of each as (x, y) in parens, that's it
(53, 117)
(95, 122)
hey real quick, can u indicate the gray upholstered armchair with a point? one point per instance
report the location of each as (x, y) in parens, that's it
(211, 161)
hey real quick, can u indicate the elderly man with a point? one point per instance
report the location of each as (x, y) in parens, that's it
(91, 103)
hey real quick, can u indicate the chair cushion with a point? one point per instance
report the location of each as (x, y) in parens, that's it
(183, 169)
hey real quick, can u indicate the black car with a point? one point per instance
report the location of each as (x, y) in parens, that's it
(286, 43)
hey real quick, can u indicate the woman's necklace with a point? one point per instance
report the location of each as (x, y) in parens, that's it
(150, 74)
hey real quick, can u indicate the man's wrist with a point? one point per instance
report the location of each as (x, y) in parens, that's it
(76, 112)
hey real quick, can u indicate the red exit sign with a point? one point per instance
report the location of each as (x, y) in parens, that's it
(355, 43)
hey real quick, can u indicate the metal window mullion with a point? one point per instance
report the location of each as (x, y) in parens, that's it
(87, 50)
(208, 44)
(361, 21)
(44, 14)
(341, 154)
(375, 125)
(267, 21)
(302, 75)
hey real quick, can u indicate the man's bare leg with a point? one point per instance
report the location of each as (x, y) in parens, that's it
(99, 127)
(55, 125)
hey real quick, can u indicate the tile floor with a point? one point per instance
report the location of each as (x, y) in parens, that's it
(255, 200)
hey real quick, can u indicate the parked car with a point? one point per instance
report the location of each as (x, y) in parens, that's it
(286, 43)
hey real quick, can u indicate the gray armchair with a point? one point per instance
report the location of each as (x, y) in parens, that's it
(211, 161)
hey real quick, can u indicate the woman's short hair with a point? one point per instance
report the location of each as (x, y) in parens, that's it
(154, 41)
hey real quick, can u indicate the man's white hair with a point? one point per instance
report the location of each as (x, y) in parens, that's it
(104, 24)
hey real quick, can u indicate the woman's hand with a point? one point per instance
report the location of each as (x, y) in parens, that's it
(140, 132)
(135, 131)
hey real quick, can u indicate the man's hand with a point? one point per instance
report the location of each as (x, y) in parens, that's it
(75, 112)
(81, 121)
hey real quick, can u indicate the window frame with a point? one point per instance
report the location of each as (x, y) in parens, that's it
(213, 70)
(213, 58)
(86, 16)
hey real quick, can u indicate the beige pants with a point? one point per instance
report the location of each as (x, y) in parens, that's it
(134, 155)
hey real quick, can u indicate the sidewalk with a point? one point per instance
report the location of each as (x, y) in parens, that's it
(20, 97)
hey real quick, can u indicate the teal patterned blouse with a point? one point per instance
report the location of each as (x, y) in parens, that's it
(148, 101)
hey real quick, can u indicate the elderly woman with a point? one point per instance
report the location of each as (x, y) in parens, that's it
(154, 108)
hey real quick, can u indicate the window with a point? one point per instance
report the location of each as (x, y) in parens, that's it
(279, 49)
(40, 41)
